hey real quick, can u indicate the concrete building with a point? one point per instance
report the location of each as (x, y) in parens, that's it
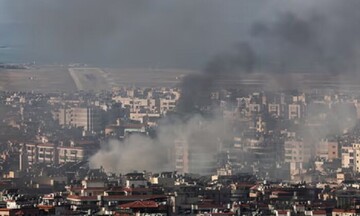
(297, 151)
(166, 105)
(294, 111)
(51, 154)
(327, 150)
(350, 157)
(136, 104)
(181, 158)
(197, 154)
(356, 149)
(47, 153)
(274, 110)
(203, 150)
(32, 153)
(347, 157)
(254, 109)
(71, 154)
(142, 117)
(88, 118)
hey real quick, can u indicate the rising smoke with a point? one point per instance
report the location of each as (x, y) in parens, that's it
(270, 37)
(321, 40)
(290, 43)
(196, 88)
(142, 153)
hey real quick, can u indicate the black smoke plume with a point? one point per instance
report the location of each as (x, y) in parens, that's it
(196, 88)
(321, 40)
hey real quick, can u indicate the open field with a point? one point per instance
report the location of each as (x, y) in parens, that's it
(40, 79)
(51, 78)
(62, 78)
(146, 77)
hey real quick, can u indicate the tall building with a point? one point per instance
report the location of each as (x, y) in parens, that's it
(294, 111)
(356, 149)
(297, 154)
(297, 151)
(350, 157)
(274, 110)
(203, 151)
(23, 160)
(181, 158)
(197, 154)
(327, 150)
(47, 153)
(88, 118)
(347, 157)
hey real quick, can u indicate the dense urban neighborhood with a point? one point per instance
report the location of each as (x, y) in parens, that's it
(282, 153)
(173, 108)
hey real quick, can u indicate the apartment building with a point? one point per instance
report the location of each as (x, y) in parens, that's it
(356, 149)
(166, 105)
(88, 118)
(274, 110)
(294, 111)
(44, 153)
(47, 153)
(347, 157)
(137, 104)
(181, 158)
(297, 151)
(327, 150)
(71, 154)
(51, 154)
(254, 109)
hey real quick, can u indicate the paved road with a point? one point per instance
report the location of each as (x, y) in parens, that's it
(90, 79)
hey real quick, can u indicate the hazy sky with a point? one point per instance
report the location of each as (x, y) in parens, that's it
(154, 33)
(3, 17)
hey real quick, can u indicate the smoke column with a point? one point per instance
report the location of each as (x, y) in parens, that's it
(323, 39)
(290, 42)
(251, 36)
(142, 153)
(196, 88)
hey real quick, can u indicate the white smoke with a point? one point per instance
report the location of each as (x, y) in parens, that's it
(140, 152)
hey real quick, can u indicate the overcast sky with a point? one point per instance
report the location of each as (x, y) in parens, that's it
(154, 33)
(3, 17)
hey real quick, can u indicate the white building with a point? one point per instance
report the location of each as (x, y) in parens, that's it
(356, 149)
(347, 157)
(274, 110)
(294, 111)
(327, 150)
(86, 117)
(166, 105)
(297, 151)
